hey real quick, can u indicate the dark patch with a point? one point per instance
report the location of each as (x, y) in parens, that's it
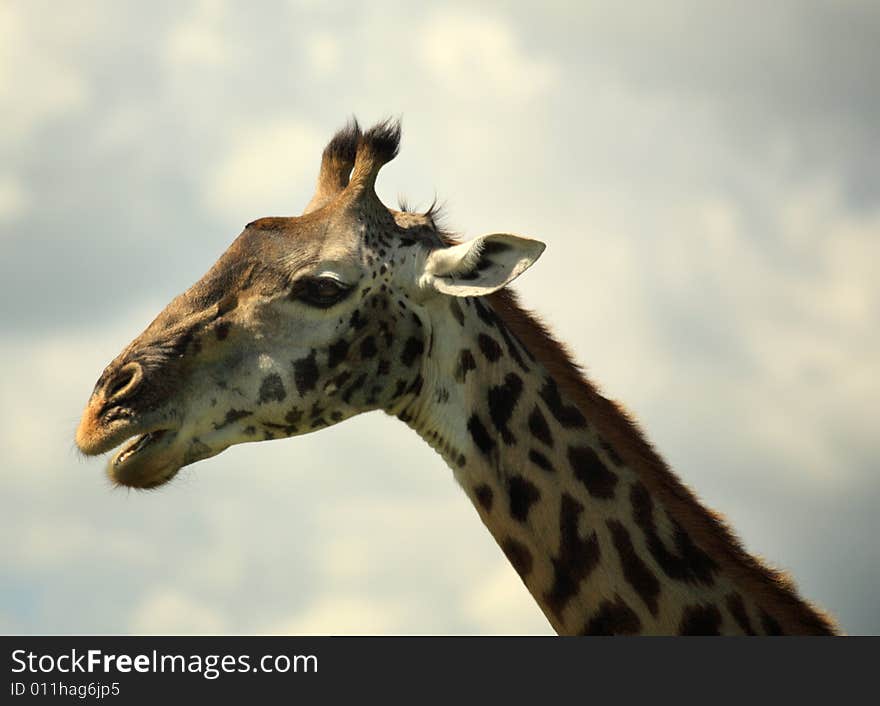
(538, 427)
(293, 416)
(615, 618)
(511, 348)
(288, 429)
(381, 142)
(589, 470)
(523, 494)
(494, 248)
(356, 321)
(368, 347)
(541, 461)
(412, 349)
(319, 422)
(374, 394)
(611, 452)
(272, 389)
(342, 378)
(343, 147)
(502, 402)
(417, 320)
(577, 557)
(635, 571)
(354, 387)
(416, 386)
(399, 390)
(770, 624)
(490, 347)
(250, 430)
(518, 555)
(233, 415)
(305, 373)
(221, 330)
(691, 564)
(484, 496)
(466, 363)
(456, 310)
(479, 434)
(568, 416)
(338, 351)
(485, 314)
(704, 619)
(737, 609)
(384, 367)
(461, 460)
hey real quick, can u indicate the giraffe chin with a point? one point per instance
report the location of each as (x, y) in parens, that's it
(148, 461)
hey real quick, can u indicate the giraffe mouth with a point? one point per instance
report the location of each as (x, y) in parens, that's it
(147, 461)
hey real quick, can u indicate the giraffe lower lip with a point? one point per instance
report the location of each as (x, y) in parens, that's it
(147, 461)
(139, 444)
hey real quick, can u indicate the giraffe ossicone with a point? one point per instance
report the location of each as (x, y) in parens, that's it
(351, 307)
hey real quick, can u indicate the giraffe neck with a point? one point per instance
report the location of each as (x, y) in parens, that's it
(574, 507)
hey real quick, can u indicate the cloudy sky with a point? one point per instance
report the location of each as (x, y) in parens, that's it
(704, 173)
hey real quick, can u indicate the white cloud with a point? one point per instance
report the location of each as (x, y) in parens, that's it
(324, 53)
(36, 85)
(343, 615)
(13, 198)
(501, 605)
(475, 54)
(168, 611)
(264, 165)
(198, 40)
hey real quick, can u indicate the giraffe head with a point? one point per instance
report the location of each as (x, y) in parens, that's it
(303, 322)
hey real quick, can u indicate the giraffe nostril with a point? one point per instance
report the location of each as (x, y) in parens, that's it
(125, 381)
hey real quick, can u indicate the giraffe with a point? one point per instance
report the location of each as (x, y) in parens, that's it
(351, 307)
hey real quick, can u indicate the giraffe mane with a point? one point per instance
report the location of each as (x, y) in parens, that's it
(772, 586)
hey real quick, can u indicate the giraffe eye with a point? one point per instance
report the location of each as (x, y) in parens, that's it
(322, 291)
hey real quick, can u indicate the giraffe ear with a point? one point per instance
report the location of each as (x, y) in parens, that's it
(480, 266)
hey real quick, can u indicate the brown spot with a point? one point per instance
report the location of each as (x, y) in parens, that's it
(466, 363)
(567, 415)
(737, 609)
(576, 560)
(539, 428)
(589, 470)
(221, 330)
(541, 461)
(232, 416)
(518, 555)
(337, 353)
(272, 389)
(412, 349)
(611, 452)
(305, 373)
(703, 619)
(484, 496)
(635, 571)
(502, 402)
(770, 624)
(615, 618)
(691, 564)
(523, 494)
(489, 346)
